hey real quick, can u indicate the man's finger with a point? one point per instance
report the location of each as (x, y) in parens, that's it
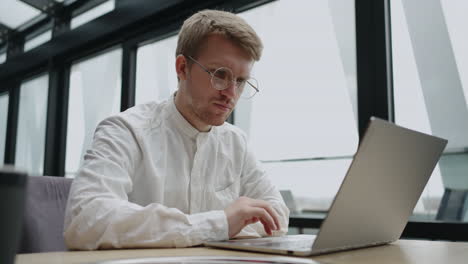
(266, 227)
(265, 216)
(272, 212)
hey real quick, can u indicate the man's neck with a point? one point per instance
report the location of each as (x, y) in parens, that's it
(189, 116)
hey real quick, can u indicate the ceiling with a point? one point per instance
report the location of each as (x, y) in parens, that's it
(16, 13)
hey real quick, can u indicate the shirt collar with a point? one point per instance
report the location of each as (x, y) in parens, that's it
(181, 122)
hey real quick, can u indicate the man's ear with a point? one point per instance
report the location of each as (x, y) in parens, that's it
(181, 67)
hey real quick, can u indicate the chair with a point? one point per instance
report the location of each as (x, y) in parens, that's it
(454, 204)
(46, 199)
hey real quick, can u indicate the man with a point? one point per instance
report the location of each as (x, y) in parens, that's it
(174, 174)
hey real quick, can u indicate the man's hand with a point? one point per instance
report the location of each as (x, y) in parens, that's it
(245, 211)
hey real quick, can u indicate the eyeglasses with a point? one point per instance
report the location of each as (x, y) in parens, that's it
(222, 77)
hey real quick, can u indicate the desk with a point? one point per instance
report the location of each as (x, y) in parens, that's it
(402, 251)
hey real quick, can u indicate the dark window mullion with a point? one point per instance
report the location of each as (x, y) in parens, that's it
(374, 71)
(57, 105)
(15, 47)
(12, 122)
(57, 114)
(128, 75)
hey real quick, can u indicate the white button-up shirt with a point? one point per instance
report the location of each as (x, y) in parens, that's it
(150, 179)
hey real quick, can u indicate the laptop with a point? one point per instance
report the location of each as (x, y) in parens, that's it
(378, 194)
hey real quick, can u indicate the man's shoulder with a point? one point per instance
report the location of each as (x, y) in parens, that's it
(144, 111)
(139, 116)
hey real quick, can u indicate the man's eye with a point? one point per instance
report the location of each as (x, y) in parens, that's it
(222, 74)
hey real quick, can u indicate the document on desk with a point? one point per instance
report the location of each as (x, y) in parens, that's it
(210, 260)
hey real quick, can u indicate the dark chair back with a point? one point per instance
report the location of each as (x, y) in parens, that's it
(12, 196)
(46, 199)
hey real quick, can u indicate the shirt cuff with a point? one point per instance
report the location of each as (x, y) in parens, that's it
(209, 226)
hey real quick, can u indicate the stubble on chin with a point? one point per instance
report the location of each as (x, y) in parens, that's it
(214, 119)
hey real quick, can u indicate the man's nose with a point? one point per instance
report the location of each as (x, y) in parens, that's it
(230, 91)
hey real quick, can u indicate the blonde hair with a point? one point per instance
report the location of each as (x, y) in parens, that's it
(200, 25)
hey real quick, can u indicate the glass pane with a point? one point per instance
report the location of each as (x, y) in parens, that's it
(156, 78)
(316, 181)
(93, 13)
(306, 107)
(38, 40)
(95, 90)
(32, 117)
(14, 13)
(430, 63)
(2, 57)
(3, 125)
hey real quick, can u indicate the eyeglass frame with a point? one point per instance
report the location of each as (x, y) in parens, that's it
(234, 80)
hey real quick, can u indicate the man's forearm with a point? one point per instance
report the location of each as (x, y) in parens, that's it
(118, 224)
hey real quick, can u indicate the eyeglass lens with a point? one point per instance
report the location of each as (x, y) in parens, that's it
(223, 77)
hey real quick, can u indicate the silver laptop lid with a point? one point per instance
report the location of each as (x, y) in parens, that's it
(381, 188)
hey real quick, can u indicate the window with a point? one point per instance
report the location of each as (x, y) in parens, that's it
(92, 14)
(430, 63)
(14, 13)
(32, 116)
(37, 40)
(95, 91)
(3, 53)
(2, 57)
(302, 124)
(3, 124)
(156, 78)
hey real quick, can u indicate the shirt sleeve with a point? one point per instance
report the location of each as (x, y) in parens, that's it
(99, 215)
(256, 184)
